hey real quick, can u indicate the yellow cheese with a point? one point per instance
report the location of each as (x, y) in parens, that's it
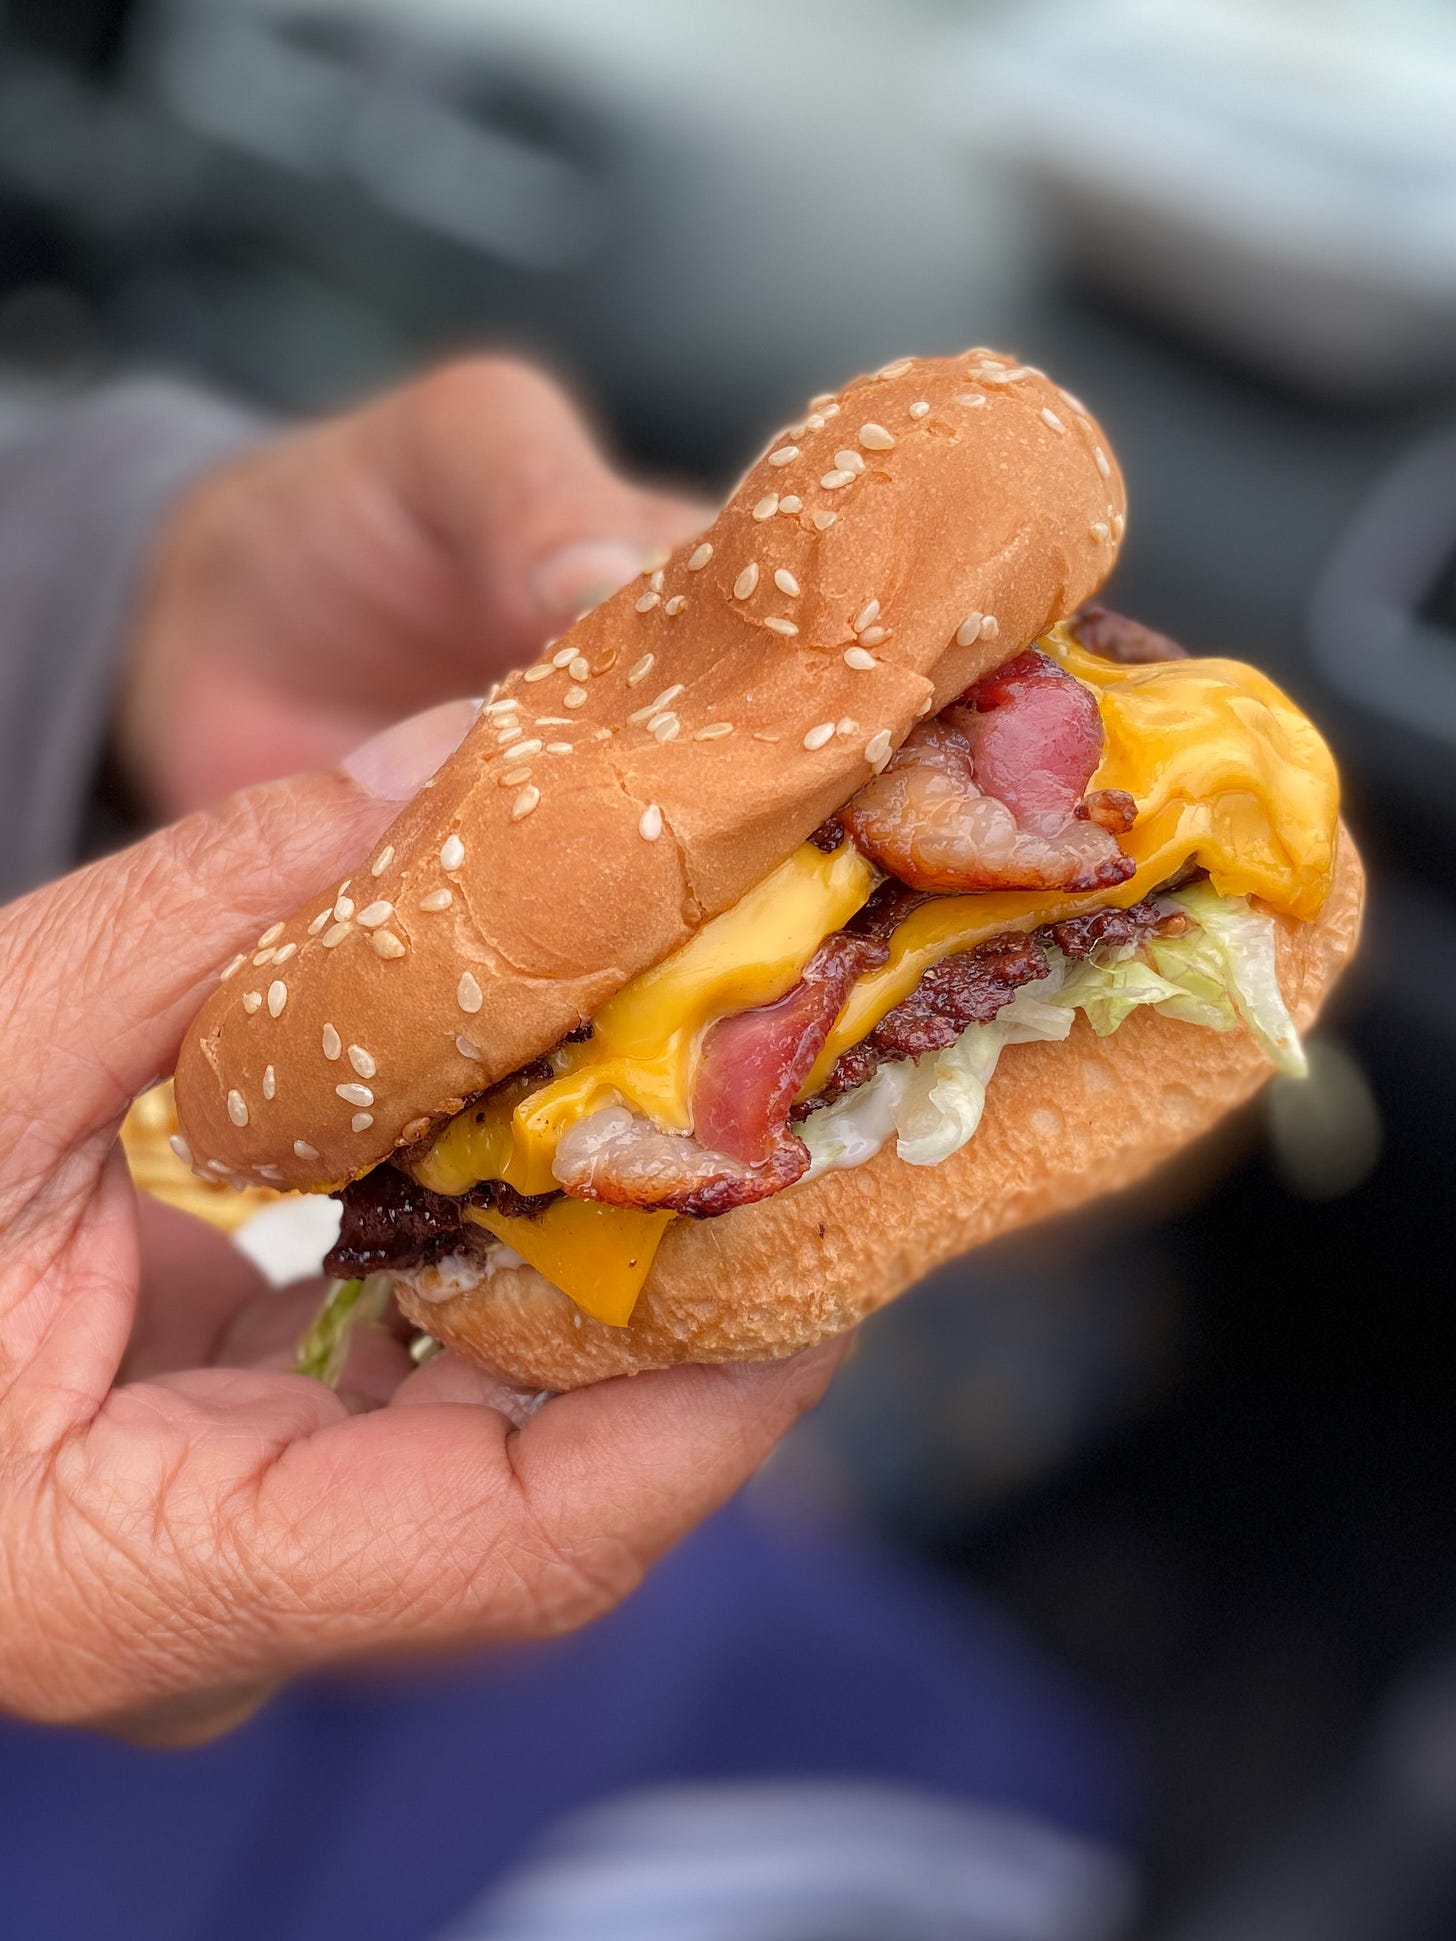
(644, 1044)
(1226, 773)
(599, 1254)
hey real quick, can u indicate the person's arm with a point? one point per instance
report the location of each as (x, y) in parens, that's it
(84, 488)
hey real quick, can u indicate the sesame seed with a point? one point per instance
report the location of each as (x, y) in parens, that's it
(897, 369)
(786, 583)
(270, 935)
(669, 695)
(971, 398)
(468, 994)
(180, 1146)
(760, 735)
(747, 580)
(778, 626)
(821, 398)
(579, 669)
(1099, 458)
(1119, 525)
(877, 748)
(343, 907)
(304, 1149)
(766, 507)
(335, 935)
(319, 921)
(353, 1094)
(382, 860)
(1073, 404)
(539, 672)
(376, 914)
(714, 731)
(925, 707)
(814, 422)
(831, 410)
(437, 900)
(846, 725)
(866, 617)
(220, 1167)
(857, 658)
(508, 735)
(698, 559)
(824, 520)
(817, 737)
(849, 461)
(270, 1082)
(1049, 417)
(832, 481)
(526, 750)
(252, 1001)
(237, 1108)
(875, 438)
(647, 601)
(559, 747)
(920, 409)
(1099, 532)
(872, 636)
(363, 1064)
(990, 627)
(664, 728)
(284, 952)
(785, 455)
(656, 580)
(640, 670)
(968, 630)
(333, 1044)
(505, 705)
(574, 697)
(277, 997)
(791, 504)
(361, 1121)
(675, 605)
(563, 656)
(649, 823)
(513, 777)
(452, 852)
(467, 1048)
(262, 957)
(525, 802)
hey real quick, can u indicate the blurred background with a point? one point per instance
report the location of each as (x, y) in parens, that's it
(1203, 1452)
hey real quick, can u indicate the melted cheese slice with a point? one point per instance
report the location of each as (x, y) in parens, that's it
(1226, 773)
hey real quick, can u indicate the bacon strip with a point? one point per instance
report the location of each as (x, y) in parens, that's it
(990, 794)
(753, 1064)
(623, 1159)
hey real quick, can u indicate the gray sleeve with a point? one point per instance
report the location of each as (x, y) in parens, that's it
(83, 488)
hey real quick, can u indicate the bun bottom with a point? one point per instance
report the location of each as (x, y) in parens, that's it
(1064, 1123)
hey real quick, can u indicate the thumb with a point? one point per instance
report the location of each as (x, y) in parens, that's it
(102, 971)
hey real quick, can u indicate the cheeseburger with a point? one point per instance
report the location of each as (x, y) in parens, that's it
(841, 894)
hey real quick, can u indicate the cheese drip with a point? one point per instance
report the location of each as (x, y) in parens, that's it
(1227, 775)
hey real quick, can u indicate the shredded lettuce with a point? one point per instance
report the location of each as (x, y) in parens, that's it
(1219, 973)
(322, 1350)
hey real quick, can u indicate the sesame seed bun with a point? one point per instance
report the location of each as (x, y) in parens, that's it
(1064, 1123)
(920, 527)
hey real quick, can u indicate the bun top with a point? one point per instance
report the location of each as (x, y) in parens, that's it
(914, 530)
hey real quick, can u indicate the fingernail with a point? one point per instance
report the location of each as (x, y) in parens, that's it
(394, 766)
(582, 575)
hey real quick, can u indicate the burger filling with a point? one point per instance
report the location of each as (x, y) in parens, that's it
(1097, 825)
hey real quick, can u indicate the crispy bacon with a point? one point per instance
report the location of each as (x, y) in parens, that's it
(622, 1158)
(969, 988)
(1116, 638)
(753, 1064)
(989, 795)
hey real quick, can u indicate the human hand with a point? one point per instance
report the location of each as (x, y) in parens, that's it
(353, 571)
(176, 1538)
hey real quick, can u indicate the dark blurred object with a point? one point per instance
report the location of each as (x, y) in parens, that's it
(89, 35)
